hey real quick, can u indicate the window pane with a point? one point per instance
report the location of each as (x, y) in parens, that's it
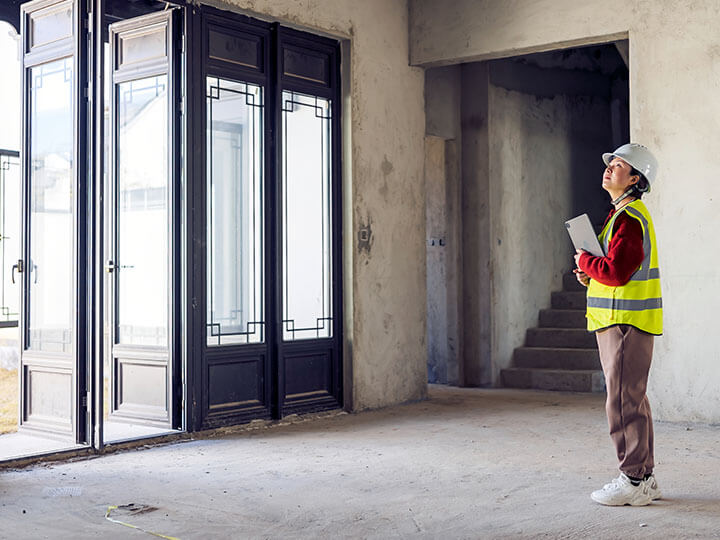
(9, 235)
(234, 213)
(142, 227)
(52, 246)
(306, 241)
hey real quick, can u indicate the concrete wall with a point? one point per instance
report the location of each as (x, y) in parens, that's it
(384, 192)
(674, 58)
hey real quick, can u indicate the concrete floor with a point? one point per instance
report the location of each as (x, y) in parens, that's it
(468, 463)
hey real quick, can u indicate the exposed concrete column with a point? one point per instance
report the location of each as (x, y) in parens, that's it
(476, 267)
(444, 248)
(436, 255)
(453, 261)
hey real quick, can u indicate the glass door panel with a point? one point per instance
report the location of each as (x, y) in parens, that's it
(142, 213)
(10, 202)
(50, 365)
(141, 250)
(235, 262)
(51, 229)
(306, 220)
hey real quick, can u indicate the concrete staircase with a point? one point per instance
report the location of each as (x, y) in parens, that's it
(561, 354)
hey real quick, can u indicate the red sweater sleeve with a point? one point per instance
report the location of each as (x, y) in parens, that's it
(625, 254)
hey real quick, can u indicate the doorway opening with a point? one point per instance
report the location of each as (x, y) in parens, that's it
(552, 116)
(527, 133)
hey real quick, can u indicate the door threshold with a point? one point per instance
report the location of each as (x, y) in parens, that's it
(122, 432)
(20, 446)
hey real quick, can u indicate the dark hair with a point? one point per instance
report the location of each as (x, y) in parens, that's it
(641, 186)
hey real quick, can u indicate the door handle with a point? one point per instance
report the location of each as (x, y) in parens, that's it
(111, 266)
(17, 266)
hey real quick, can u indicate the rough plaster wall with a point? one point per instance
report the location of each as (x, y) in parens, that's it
(674, 88)
(442, 102)
(674, 107)
(387, 314)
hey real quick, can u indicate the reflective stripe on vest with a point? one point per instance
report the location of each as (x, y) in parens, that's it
(639, 301)
(627, 305)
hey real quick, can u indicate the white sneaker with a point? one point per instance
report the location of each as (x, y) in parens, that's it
(621, 491)
(653, 489)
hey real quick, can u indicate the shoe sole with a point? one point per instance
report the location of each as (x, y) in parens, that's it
(635, 503)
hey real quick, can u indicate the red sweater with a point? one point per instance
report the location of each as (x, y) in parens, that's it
(625, 253)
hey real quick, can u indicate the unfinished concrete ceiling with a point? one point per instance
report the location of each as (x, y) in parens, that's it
(603, 59)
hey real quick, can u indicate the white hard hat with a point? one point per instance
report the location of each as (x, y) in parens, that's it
(639, 157)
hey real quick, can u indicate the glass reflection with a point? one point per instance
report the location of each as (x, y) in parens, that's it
(9, 235)
(234, 212)
(142, 220)
(306, 231)
(50, 175)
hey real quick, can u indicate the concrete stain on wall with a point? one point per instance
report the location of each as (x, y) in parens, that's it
(386, 167)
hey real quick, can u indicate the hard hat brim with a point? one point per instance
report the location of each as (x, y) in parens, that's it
(608, 157)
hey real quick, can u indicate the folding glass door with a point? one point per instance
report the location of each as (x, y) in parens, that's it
(51, 361)
(142, 260)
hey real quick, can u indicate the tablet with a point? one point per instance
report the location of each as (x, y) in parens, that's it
(583, 236)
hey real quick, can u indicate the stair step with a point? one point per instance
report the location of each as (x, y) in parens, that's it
(563, 380)
(560, 337)
(563, 318)
(570, 283)
(556, 358)
(568, 300)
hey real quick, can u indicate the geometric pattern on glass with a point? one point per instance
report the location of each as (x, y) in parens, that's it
(143, 179)
(51, 238)
(235, 240)
(9, 234)
(307, 220)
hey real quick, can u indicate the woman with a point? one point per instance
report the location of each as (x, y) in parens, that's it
(624, 309)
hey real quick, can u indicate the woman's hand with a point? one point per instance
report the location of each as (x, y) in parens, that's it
(581, 276)
(578, 252)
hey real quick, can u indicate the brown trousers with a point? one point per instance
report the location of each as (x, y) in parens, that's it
(625, 355)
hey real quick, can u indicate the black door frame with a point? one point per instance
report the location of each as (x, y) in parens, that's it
(190, 328)
(263, 66)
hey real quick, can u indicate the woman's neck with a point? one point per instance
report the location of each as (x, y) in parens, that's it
(625, 201)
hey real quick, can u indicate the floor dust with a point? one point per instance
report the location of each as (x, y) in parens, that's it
(466, 463)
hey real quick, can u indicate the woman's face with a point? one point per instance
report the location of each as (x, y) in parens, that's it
(617, 178)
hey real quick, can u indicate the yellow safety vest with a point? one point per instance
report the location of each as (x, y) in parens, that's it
(639, 301)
